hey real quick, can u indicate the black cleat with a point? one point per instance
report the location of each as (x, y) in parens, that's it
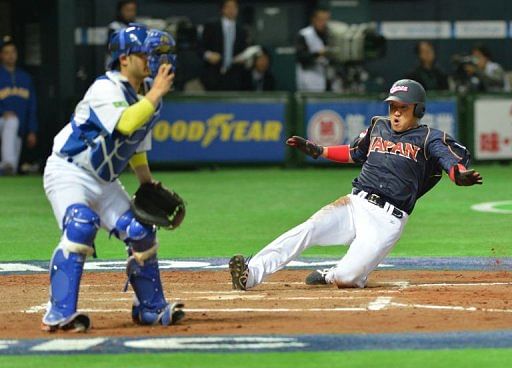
(317, 277)
(238, 267)
(177, 313)
(79, 323)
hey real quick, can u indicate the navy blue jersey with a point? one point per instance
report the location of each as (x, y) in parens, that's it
(402, 166)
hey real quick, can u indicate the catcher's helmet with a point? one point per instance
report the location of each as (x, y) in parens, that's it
(410, 92)
(127, 41)
(161, 50)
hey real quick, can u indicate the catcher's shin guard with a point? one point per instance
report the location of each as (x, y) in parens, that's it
(65, 275)
(150, 306)
(80, 225)
(140, 238)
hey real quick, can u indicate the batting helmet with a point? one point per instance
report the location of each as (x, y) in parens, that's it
(127, 41)
(410, 92)
(161, 50)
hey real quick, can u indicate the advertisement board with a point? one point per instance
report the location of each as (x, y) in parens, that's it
(493, 128)
(339, 122)
(218, 132)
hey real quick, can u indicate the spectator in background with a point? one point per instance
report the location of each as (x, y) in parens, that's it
(126, 13)
(17, 109)
(312, 61)
(427, 73)
(222, 40)
(259, 77)
(484, 74)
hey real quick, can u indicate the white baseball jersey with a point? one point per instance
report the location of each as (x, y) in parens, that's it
(90, 140)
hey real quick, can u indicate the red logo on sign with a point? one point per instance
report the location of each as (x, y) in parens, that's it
(489, 142)
(327, 127)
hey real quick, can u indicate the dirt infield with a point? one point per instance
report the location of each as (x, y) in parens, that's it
(395, 301)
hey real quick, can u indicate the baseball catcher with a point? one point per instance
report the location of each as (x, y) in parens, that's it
(111, 129)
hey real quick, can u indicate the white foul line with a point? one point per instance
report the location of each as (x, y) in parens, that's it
(380, 303)
(462, 284)
(450, 307)
(376, 305)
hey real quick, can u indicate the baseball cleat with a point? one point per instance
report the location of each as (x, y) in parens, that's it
(239, 269)
(317, 277)
(177, 312)
(78, 323)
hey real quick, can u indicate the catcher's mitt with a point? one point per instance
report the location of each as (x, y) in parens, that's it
(154, 204)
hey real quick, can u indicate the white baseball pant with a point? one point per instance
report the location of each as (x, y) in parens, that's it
(10, 142)
(66, 184)
(369, 230)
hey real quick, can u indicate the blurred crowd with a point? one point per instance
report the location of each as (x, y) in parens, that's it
(230, 61)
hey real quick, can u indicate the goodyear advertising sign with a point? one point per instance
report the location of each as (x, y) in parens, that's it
(212, 132)
(339, 122)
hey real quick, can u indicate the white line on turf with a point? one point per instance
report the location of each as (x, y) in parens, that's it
(235, 297)
(377, 305)
(451, 307)
(380, 303)
(461, 284)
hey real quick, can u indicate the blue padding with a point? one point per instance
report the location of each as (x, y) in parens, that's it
(65, 275)
(146, 283)
(137, 236)
(122, 225)
(142, 237)
(81, 224)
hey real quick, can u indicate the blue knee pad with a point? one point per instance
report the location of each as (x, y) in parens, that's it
(139, 237)
(146, 283)
(80, 225)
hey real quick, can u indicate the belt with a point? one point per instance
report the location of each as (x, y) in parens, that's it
(377, 200)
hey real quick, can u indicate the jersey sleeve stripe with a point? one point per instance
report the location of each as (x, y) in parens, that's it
(425, 144)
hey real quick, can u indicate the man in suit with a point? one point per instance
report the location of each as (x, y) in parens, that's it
(259, 77)
(427, 73)
(222, 40)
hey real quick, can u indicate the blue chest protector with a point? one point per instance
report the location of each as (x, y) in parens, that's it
(109, 153)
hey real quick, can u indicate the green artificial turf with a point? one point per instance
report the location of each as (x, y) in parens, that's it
(480, 358)
(240, 210)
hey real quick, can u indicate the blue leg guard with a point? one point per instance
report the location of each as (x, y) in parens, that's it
(79, 230)
(151, 307)
(140, 238)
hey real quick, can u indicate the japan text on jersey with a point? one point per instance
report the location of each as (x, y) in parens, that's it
(402, 166)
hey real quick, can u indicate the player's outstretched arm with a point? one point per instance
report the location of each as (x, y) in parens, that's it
(309, 148)
(333, 153)
(463, 177)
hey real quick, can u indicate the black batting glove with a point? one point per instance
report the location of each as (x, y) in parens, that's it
(308, 147)
(465, 178)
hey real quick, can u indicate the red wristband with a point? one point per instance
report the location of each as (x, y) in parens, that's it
(451, 173)
(339, 153)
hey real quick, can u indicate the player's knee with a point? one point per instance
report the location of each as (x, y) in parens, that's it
(80, 225)
(141, 238)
